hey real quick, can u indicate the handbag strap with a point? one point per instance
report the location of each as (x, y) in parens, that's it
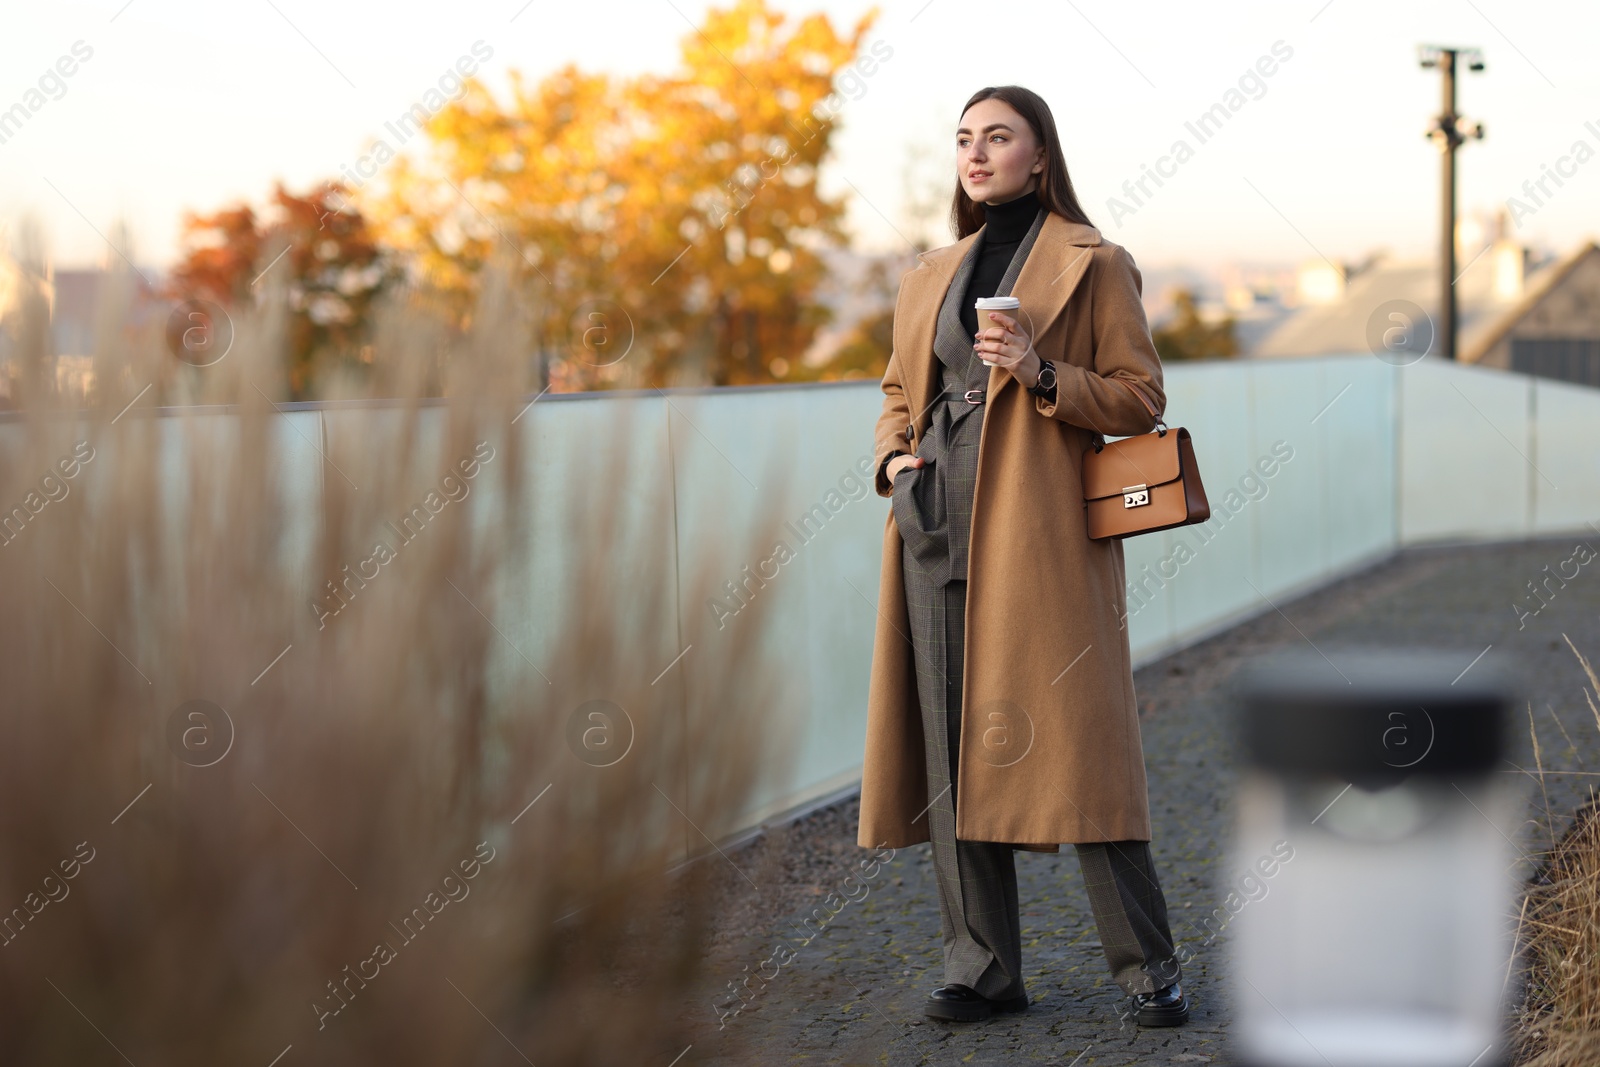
(1161, 426)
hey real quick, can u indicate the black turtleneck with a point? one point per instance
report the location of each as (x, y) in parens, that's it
(1005, 226)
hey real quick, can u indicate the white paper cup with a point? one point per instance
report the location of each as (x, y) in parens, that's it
(993, 303)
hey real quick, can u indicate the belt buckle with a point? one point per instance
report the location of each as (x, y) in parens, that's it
(974, 393)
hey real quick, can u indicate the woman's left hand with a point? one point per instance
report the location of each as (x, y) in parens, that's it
(1007, 345)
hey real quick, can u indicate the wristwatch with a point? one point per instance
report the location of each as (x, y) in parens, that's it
(1047, 379)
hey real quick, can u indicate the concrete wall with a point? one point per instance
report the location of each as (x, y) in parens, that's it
(1314, 467)
(1488, 455)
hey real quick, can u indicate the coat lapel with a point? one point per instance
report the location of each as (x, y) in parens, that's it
(1054, 267)
(1058, 262)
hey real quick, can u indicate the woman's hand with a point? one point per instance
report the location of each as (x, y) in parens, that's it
(900, 463)
(1007, 345)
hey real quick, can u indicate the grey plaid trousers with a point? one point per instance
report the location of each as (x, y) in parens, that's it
(977, 880)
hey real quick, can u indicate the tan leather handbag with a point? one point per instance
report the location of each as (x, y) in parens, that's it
(1142, 484)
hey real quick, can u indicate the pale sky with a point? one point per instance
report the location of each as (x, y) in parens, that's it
(189, 104)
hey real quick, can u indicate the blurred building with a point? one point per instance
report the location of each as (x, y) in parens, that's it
(1257, 299)
(1517, 308)
(1554, 330)
(71, 296)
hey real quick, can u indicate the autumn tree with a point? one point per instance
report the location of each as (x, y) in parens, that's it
(675, 218)
(321, 241)
(1186, 335)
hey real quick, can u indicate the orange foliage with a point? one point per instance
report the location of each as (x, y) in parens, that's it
(672, 218)
(330, 261)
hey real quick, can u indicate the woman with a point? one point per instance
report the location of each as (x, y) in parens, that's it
(992, 596)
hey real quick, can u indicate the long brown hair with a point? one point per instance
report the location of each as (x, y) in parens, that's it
(1055, 184)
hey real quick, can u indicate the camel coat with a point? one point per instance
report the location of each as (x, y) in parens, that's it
(1050, 748)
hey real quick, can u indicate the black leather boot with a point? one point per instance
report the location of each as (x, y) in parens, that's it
(1164, 1007)
(964, 1004)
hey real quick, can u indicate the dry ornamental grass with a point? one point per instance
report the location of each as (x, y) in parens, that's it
(255, 807)
(1559, 937)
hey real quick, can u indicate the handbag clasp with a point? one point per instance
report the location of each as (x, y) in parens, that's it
(1134, 496)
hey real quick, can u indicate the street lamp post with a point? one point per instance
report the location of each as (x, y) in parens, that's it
(1449, 131)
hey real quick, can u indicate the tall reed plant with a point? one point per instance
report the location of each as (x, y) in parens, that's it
(270, 795)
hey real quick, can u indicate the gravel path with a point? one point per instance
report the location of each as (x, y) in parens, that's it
(853, 993)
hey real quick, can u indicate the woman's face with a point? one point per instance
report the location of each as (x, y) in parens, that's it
(997, 156)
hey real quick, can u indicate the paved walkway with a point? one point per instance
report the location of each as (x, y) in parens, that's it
(854, 993)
